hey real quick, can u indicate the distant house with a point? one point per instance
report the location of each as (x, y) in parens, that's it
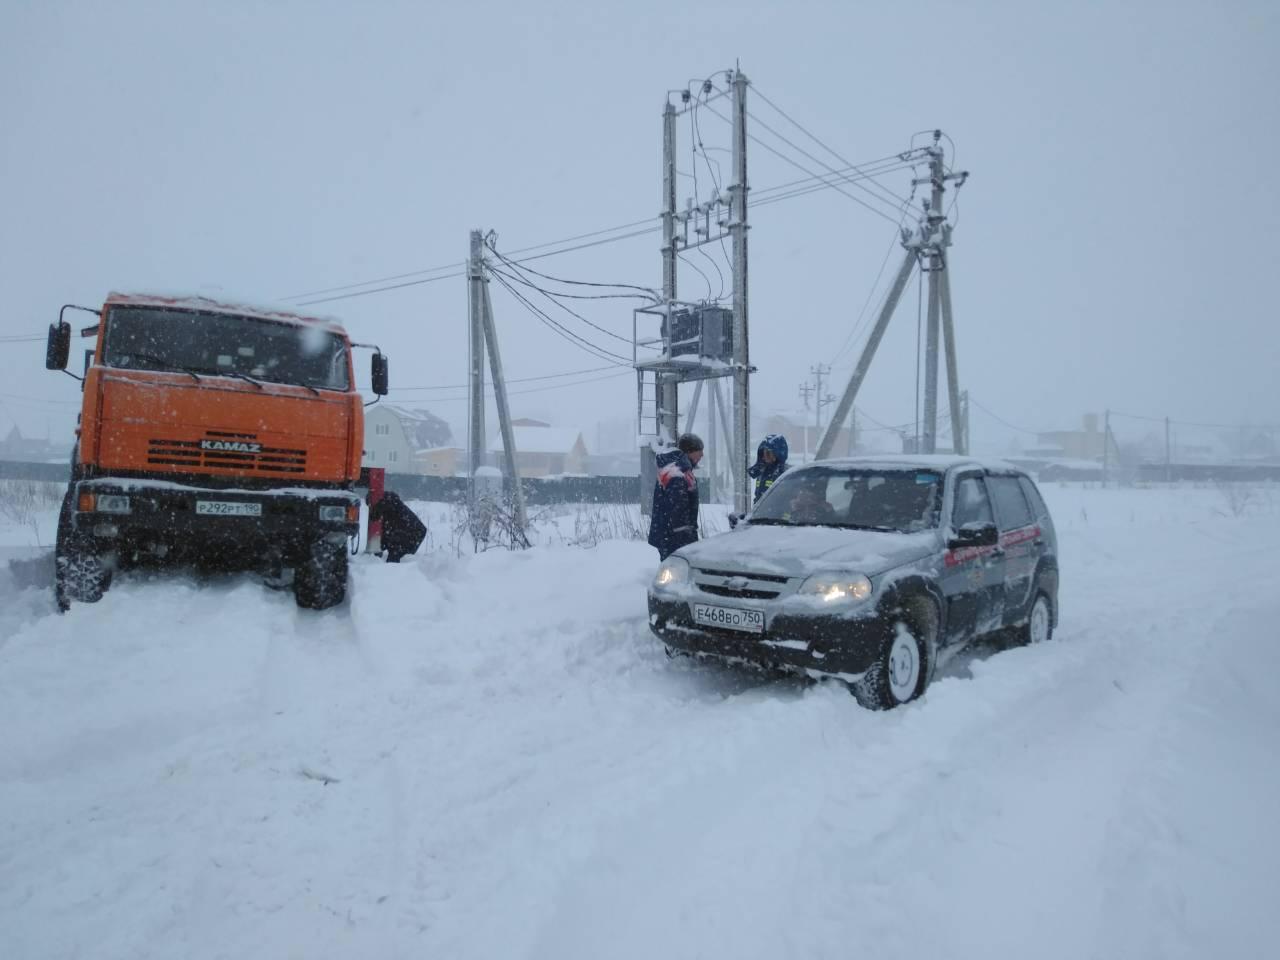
(396, 437)
(1083, 444)
(24, 449)
(543, 450)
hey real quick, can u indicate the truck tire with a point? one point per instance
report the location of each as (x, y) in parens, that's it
(320, 580)
(81, 572)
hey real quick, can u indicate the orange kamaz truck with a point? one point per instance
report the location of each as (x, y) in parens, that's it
(214, 433)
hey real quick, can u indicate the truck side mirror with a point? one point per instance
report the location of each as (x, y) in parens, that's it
(380, 374)
(58, 349)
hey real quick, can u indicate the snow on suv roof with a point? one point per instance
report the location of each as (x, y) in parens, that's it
(207, 305)
(908, 461)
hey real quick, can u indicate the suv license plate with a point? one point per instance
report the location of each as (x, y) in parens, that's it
(728, 618)
(228, 508)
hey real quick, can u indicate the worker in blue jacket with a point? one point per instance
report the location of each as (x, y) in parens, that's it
(673, 522)
(771, 463)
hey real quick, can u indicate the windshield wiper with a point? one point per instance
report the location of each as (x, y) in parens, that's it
(778, 521)
(162, 364)
(866, 526)
(241, 376)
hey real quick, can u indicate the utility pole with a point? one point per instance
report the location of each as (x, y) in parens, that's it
(806, 391)
(484, 333)
(741, 353)
(667, 389)
(475, 361)
(820, 399)
(926, 245)
(1168, 461)
(1106, 447)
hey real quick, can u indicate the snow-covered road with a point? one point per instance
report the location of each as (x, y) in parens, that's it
(491, 757)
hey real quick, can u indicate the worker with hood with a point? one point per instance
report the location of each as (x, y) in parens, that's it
(771, 463)
(673, 522)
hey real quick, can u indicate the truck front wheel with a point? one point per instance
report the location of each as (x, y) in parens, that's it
(81, 572)
(320, 579)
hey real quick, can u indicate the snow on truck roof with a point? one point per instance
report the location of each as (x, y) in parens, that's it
(208, 305)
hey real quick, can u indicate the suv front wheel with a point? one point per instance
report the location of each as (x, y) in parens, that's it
(901, 672)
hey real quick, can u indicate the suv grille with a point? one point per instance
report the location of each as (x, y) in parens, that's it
(742, 586)
(227, 451)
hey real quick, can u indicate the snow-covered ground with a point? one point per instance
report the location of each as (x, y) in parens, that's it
(485, 756)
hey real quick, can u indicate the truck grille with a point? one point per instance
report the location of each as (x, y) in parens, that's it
(226, 451)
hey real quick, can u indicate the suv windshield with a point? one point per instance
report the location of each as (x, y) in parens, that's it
(873, 499)
(225, 345)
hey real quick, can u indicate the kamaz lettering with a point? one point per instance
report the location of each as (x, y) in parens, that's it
(236, 446)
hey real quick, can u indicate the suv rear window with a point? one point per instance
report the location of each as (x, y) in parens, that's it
(1033, 497)
(1011, 504)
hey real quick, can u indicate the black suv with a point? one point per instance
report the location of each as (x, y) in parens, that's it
(868, 569)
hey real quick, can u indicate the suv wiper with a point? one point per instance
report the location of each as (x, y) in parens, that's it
(865, 526)
(778, 521)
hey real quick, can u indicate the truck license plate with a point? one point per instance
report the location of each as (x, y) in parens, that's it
(228, 508)
(728, 618)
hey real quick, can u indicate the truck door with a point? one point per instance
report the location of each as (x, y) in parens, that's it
(1019, 539)
(972, 577)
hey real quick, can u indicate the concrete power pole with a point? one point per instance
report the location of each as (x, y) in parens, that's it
(741, 354)
(475, 361)
(927, 244)
(482, 321)
(667, 385)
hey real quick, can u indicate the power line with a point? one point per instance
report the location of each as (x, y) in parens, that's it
(555, 386)
(764, 196)
(516, 265)
(545, 376)
(894, 199)
(35, 339)
(1000, 419)
(803, 168)
(566, 309)
(582, 343)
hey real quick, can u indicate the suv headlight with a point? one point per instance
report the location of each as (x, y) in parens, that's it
(837, 587)
(113, 503)
(332, 513)
(673, 570)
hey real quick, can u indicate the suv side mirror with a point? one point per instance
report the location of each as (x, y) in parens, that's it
(975, 535)
(58, 348)
(380, 374)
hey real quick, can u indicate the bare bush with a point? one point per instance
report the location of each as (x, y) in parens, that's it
(23, 501)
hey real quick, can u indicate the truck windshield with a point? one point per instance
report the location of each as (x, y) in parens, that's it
(863, 499)
(220, 344)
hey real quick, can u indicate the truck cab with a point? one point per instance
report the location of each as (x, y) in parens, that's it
(212, 432)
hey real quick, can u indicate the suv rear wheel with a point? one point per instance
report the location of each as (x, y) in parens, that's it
(1039, 625)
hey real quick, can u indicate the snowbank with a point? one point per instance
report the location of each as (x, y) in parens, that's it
(489, 756)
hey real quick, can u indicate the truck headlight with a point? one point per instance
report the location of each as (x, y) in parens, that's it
(112, 503)
(837, 587)
(333, 513)
(673, 570)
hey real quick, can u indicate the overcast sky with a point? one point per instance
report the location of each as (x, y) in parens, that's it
(1114, 246)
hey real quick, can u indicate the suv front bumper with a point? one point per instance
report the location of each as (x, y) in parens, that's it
(835, 646)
